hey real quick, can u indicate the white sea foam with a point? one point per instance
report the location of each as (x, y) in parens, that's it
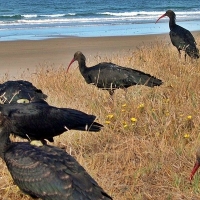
(30, 16)
(102, 23)
(103, 18)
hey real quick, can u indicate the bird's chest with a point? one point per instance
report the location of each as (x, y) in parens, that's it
(178, 37)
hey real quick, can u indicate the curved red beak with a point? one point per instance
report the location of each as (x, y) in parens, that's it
(70, 64)
(196, 166)
(160, 17)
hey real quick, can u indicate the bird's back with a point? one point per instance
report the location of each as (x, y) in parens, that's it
(42, 121)
(50, 173)
(108, 75)
(20, 92)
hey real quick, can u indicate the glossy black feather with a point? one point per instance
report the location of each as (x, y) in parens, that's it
(41, 121)
(110, 76)
(180, 37)
(20, 91)
(107, 75)
(47, 172)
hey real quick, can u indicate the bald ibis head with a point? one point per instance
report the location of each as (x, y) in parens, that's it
(170, 14)
(78, 56)
(197, 164)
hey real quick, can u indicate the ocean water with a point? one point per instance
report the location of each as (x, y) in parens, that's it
(42, 19)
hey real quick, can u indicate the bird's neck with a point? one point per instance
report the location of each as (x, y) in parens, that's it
(172, 23)
(82, 65)
(4, 141)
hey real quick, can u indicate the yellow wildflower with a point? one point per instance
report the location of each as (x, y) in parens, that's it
(166, 100)
(186, 135)
(157, 134)
(107, 122)
(133, 119)
(124, 105)
(125, 125)
(110, 116)
(141, 106)
(167, 113)
(189, 117)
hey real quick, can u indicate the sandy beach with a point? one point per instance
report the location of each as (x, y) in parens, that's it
(17, 56)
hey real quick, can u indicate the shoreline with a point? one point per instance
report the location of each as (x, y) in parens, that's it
(18, 56)
(129, 29)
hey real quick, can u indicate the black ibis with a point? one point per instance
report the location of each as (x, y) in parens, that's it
(109, 76)
(20, 91)
(46, 172)
(181, 38)
(197, 164)
(40, 121)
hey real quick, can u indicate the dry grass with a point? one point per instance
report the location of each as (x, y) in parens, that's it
(150, 158)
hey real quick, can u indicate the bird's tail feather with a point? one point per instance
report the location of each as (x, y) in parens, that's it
(148, 80)
(153, 81)
(141, 78)
(193, 52)
(94, 127)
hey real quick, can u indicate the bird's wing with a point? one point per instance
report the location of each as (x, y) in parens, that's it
(190, 38)
(38, 121)
(50, 171)
(37, 172)
(109, 75)
(182, 37)
(105, 73)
